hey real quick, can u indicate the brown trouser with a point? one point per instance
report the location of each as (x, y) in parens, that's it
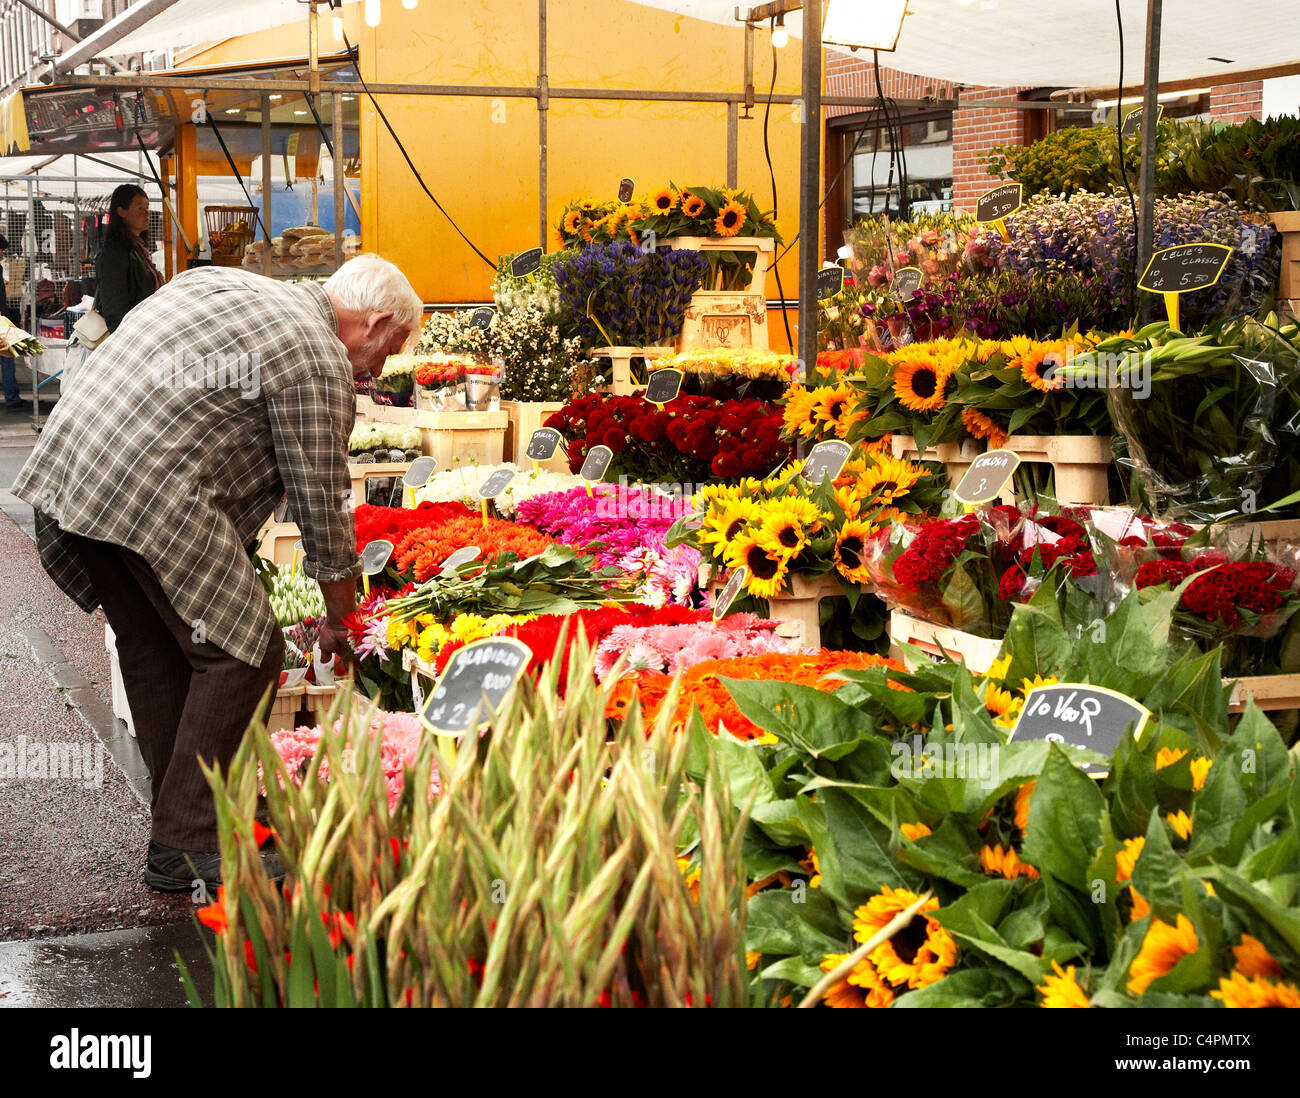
(189, 699)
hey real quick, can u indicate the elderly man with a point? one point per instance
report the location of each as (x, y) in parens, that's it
(216, 396)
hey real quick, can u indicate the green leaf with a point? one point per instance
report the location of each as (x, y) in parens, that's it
(980, 987)
(1158, 874)
(1282, 919)
(855, 855)
(1064, 829)
(807, 718)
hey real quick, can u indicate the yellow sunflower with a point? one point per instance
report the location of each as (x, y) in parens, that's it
(1181, 823)
(813, 868)
(766, 559)
(571, 221)
(800, 414)
(978, 425)
(916, 956)
(1020, 807)
(1127, 858)
(1200, 767)
(1000, 702)
(1253, 959)
(1162, 948)
(890, 479)
(850, 551)
(1038, 680)
(849, 500)
(837, 409)
(664, 200)
(730, 219)
(1239, 990)
(1006, 863)
(790, 521)
(725, 521)
(1141, 909)
(863, 987)
(919, 385)
(692, 204)
(1061, 990)
(1040, 366)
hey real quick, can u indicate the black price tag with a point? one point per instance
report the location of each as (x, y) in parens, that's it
(417, 476)
(986, 477)
(663, 386)
(830, 281)
(728, 594)
(473, 685)
(826, 461)
(597, 461)
(482, 318)
(461, 556)
(525, 263)
(1133, 120)
(626, 188)
(1185, 267)
(906, 281)
(495, 484)
(996, 204)
(1081, 715)
(374, 557)
(542, 444)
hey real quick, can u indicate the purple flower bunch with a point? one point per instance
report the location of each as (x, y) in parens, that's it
(624, 297)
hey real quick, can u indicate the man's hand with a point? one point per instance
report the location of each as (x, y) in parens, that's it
(340, 601)
(334, 641)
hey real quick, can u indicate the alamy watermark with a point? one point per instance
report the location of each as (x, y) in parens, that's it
(60, 761)
(968, 761)
(214, 370)
(1099, 370)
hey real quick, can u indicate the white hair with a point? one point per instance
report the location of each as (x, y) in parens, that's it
(370, 284)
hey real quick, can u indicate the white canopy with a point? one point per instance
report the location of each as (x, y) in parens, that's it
(1065, 43)
(190, 22)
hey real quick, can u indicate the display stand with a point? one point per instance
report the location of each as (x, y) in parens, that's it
(450, 438)
(728, 318)
(1080, 466)
(978, 653)
(956, 457)
(525, 418)
(797, 612)
(621, 383)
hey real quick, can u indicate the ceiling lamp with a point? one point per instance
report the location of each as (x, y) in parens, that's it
(780, 36)
(372, 13)
(864, 24)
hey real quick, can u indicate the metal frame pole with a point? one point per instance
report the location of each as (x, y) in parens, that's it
(1147, 177)
(340, 215)
(810, 146)
(543, 114)
(266, 185)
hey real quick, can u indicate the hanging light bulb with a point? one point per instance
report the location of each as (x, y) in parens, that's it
(780, 36)
(338, 28)
(409, 5)
(372, 13)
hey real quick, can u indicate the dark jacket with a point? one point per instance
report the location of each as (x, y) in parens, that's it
(123, 280)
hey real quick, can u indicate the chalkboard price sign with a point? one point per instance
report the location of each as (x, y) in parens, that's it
(482, 318)
(461, 556)
(986, 477)
(597, 461)
(906, 281)
(830, 282)
(728, 594)
(1079, 714)
(495, 484)
(542, 444)
(375, 556)
(1182, 269)
(626, 188)
(473, 685)
(417, 476)
(826, 461)
(998, 203)
(663, 386)
(1133, 120)
(525, 263)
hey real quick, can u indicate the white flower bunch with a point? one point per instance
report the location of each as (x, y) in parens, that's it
(389, 436)
(461, 484)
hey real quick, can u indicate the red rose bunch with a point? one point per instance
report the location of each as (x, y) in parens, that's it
(694, 438)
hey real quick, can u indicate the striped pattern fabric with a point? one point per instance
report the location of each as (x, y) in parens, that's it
(219, 394)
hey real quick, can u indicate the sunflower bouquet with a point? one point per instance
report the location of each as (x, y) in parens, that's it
(669, 211)
(910, 391)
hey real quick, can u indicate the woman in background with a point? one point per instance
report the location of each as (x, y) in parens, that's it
(124, 273)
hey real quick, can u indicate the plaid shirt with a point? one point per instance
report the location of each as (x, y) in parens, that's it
(217, 395)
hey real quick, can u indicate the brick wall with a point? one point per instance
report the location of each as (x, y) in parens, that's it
(1237, 102)
(974, 132)
(848, 75)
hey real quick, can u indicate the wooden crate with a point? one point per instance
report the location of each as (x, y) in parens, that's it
(956, 456)
(620, 359)
(284, 710)
(978, 653)
(525, 418)
(1080, 465)
(275, 542)
(1287, 223)
(798, 612)
(360, 473)
(728, 318)
(451, 438)
(1270, 692)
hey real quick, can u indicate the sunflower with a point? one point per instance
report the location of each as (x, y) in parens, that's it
(724, 523)
(571, 221)
(916, 956)
(994, 861)
(890, 479)
(1181, 823)
(835, 408)
(790, 521)
(1127, 858)
(850, 551)
(914, 831)
(692, 204)
(664, 200)
(1253, 959)
(1020, 806)
(800, 415)
(1141, 909)
(1000, 702)
(919, 385)
(849, 500)
(730, 219)
(863, 987)
(1239, 990)
(766, 559)
(1162, 948)
(692, 877)
(1038, 680)
(1061, 990)
(978, 425)
(813, 868)
(1040, 366)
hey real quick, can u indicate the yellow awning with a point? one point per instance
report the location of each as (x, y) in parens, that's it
(13, 126)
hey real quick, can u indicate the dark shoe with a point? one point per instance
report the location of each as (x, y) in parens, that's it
(169, 869)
